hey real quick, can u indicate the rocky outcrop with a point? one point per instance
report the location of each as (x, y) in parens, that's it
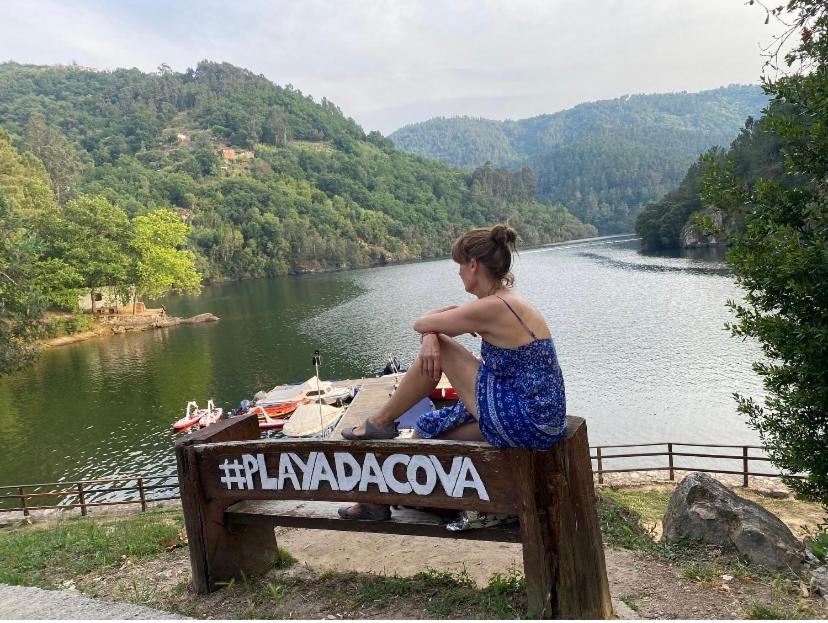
(124, 324)
(194, 320)
(692, 236)
(701, 509)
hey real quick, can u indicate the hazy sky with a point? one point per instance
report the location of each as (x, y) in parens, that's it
(388, 63)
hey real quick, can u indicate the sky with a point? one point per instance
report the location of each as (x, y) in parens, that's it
(387, 63)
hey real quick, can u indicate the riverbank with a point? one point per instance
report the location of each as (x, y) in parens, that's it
(143, 559)
(118, 325)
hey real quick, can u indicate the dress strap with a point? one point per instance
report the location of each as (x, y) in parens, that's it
(520, 320)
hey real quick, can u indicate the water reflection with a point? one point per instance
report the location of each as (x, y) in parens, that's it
(700, 269)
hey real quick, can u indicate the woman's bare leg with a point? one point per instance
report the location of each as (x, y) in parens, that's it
(461, 368)
(413, 387)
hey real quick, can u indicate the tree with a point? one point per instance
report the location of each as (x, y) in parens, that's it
(25, 184)
(56, 153)
(29, 280)
(21, 304)
(781, 261)
(161, 264)
(93, 237)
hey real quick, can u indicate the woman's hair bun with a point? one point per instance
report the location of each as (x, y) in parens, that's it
(504, 236)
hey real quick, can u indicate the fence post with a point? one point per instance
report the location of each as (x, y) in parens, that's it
(141, 493)
(23, 501)
(600, 467)
(745, 465)
(81, 499)
(670, 459)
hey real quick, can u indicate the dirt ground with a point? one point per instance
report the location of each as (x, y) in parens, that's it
(654, 589)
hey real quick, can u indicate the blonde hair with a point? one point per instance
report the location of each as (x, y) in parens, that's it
(492, 247)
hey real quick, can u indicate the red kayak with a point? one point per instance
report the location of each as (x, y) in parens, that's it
(269, 419)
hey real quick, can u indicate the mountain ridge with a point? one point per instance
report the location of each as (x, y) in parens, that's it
(664, 134)
(269, 180)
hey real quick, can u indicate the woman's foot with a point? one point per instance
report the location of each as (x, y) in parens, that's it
(366, 512)
(368, 430)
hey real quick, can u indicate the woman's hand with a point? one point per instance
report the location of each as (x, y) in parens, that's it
(430, 356)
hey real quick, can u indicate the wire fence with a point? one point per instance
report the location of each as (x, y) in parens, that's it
(679, 459)
(86, 494)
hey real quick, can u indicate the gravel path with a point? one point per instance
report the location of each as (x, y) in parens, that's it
(26, 602)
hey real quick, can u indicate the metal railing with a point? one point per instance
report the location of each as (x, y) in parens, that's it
(744, 457)
(84, 494)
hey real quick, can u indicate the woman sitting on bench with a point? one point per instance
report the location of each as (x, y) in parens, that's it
(514, 397)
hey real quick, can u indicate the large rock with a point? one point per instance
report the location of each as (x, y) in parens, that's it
(703, 510)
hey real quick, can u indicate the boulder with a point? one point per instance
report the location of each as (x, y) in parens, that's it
(200, 318)
(819, 580)
(701, 509)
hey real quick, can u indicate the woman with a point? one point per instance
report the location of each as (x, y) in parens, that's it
(514, 397)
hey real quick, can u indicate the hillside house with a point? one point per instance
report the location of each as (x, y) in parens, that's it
(228, 154)
(107, 303)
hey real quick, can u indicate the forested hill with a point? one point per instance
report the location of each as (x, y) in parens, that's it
(602, 160)
(269, 180)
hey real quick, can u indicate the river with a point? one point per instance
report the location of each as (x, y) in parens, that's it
(640, 339)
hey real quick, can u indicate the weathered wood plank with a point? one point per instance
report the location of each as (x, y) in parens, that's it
(372, 395)
(323, 516)
(439, 474)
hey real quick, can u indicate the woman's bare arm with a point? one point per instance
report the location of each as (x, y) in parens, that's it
(473, 317)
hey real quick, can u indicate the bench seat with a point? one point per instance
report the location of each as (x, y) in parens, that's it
(323, 516)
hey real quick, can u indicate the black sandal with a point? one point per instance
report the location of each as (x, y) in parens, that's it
(371, 432)
(366, 512)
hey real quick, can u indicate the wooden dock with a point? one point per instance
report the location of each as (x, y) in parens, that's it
(372, 395)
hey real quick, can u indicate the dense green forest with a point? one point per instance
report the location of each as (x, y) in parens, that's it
(602, 160)
(298, 186)
(678, 218)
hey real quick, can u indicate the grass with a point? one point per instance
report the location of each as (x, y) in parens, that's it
(37, 555)
(622, 526)
(631, 600)
(776, 612)
(440, 594)
(711, 571)
(649, 505)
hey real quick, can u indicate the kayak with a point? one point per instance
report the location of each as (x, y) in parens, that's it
(268, 421)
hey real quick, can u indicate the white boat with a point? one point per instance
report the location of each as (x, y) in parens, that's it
(312, 420)
(312, 389)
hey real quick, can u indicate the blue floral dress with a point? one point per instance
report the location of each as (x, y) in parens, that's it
(520, 397)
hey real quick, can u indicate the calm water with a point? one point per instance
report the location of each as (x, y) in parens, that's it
(640, 339)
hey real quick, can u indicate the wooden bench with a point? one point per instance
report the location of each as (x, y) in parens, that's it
(235, 488)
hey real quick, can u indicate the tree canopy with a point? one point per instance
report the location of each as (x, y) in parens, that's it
(269, 180)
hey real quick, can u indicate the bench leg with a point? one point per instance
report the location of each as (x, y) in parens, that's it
(563, 554)
(218, 553)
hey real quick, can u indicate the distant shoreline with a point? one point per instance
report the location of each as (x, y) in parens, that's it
(135, 323)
